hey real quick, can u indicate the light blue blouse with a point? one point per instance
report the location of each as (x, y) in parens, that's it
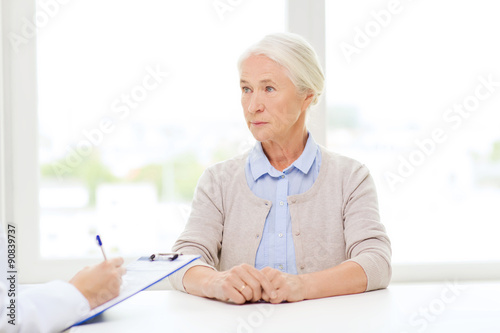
(276, 248)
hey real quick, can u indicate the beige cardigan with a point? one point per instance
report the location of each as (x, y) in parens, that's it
(336, 220)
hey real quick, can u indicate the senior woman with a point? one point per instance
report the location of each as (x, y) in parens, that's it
(288, 220)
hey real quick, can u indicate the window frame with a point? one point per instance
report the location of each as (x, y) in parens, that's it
(20, 144)
(19, 174)
(3, 136)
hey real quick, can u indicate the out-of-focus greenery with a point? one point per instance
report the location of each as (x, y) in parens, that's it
(91, 171)
(180, 174)
(495, 152)
(495, 159)
(341, 116)
(487, 173)
(174, 180)
(187, 171)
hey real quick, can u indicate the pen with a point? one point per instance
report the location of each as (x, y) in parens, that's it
(100, 245)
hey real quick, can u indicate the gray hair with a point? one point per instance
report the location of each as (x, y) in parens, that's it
(298, 58)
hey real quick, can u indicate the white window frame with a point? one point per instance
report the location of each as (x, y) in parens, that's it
(19, 150)
(3, 136)
(19, 165)
(307, 18)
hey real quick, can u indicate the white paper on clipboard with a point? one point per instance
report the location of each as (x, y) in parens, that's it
(141, 274)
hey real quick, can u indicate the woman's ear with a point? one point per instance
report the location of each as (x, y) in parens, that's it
(308, 98)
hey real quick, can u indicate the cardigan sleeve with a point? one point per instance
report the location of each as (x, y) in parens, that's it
(203, 232)
(366, 239)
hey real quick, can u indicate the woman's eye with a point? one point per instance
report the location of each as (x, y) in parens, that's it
(269, 89)
(245, 89)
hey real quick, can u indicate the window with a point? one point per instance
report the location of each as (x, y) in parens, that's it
(136, 99)
(412, 89)
(413, 92)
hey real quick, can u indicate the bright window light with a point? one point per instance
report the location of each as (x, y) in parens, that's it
(136, 99)
(414, 92)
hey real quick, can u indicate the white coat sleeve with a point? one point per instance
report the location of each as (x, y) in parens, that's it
(49, 307)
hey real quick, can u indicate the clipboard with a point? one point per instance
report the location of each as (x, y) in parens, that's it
(141, 274)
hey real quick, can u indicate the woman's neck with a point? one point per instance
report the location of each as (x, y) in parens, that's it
(281, 154)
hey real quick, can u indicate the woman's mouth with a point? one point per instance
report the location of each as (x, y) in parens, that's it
(258, 123)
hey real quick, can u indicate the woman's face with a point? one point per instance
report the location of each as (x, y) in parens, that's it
(274, 110)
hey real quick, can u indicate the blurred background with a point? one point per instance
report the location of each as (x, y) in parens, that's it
(137, 98)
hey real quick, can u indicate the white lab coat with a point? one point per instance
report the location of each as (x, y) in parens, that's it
(49, 307)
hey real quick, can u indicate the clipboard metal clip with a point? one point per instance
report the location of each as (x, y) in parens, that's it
(165, 256)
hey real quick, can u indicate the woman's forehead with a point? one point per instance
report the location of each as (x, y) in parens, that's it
(262, 68)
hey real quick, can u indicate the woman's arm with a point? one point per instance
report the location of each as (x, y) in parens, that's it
(203, 232)
(346, 278)
(367, 242)
(368, 251)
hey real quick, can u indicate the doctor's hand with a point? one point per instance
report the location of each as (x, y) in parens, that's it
(290, 287)
(100, 283)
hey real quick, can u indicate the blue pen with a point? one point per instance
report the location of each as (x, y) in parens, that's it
(100, 245)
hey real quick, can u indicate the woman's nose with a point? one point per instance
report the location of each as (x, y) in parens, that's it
(255, 103)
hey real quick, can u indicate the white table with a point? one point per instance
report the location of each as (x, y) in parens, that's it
(433, 307)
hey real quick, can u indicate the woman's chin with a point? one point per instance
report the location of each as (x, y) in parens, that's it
(260, 136)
